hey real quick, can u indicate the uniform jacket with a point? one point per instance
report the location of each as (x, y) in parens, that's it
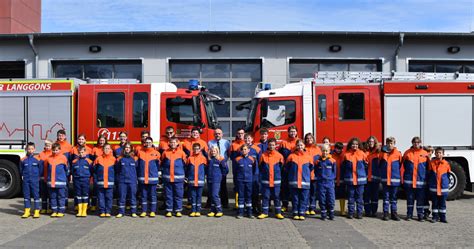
(438, 176)
(373, 166)
(325, 169)
(148, 165)
(31, 168)
(390, 166)
(126, 169)
(196, 169)
(173, 164)
(82, 168)
(299, 166)
(245, 168)
(216, 168)
(58, 171)
(104, 171)
(271, 164)
(353, 165)
(415, 168)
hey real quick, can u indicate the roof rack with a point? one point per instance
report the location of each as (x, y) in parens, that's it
(358, 77)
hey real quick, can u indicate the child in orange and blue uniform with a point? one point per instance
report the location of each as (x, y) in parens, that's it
(315, 153)
(438, 182)
(126, 176)
(371, 191)
(74, 154)
(355, 177)
(44, 155)
(148, 165)
(271, 164)
(97, 152)
(195, 172)
(338, 155)
(216, 169)
(256, 154)
(58, 172)
(31, 169)
(173, 162)
(104, 174)
(325, 173)
(286, 148)
(245, 167)
(414, 172)
(81, 170)
(390, 173)
(299, 166)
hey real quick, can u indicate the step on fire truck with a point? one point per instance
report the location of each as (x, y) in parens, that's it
(34, 110)
(340, 105)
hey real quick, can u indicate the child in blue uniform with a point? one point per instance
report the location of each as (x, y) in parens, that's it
(81, 170)
(216, 169)
(325, 173)
(126, 175)
(195, 172)
(31, 169)
(438, 183)
(245, 169)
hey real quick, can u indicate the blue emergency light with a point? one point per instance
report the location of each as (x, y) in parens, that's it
(267, 86)
(193, 84)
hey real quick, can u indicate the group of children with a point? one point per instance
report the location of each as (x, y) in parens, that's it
(298, 170)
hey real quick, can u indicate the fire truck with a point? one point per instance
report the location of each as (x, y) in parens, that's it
(340, 105)
(34, 110)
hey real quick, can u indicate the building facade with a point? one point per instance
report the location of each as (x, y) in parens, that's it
(20, 16)
(229, 64)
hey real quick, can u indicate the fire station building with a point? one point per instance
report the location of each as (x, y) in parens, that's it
(229, 64)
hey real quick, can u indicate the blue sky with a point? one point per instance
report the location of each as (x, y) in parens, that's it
(257, 15)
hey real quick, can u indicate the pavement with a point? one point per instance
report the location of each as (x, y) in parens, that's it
(229, 232)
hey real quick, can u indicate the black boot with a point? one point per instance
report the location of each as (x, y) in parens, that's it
(385, 216)
(395, 217)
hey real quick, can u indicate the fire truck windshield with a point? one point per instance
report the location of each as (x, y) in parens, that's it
(251, 116)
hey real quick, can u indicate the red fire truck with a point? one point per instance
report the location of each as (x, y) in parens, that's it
(34, 110)
(340, 105)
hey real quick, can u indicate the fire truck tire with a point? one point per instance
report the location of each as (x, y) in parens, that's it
(10, 179)
(457, 180)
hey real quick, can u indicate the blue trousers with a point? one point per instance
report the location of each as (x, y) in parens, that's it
(105, 196)
(438, 206)
(417, 194)
(326, 197)
(174, 196)
(313, 195)
(44, 194)
(93, 194)
(58, 199)
(269, 193)
(195, 194)
(245, 197)
(31, 190)
(127, 191)
(213, 195)
(355, 195)
(371, 197)
(389, 198)
(300, 198)
(81, 190)
(149, 197)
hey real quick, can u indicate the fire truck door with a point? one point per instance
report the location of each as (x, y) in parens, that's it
(351, 114)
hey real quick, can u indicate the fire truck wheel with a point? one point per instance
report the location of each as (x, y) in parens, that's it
(10, 179)
(457, 180)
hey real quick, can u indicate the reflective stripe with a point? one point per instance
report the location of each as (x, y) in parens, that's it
(175, 177)
(58, 183)
(102, 183)
(443, 211)
(417, 183)
(395, 180)
(302, 183)
(274, 182)
(435, 210)
(199, 182)
(376, 177)
(443, 190)
(149, 178)
(361, 179)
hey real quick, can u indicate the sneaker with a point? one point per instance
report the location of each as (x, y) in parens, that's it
(54, 215)
(193, 214)
(251, 216)
(143, 214)
(358, 216)
(108, 215)
(119, 216)
(198, 214)
(296, 217)
(307, 212)
(178, 214)
(152, 214)
(211, 214)
(302, 217)
(60, 215)
(134, 215)
(385, 216)
(331, 217)
(312, 212)
(220, 214)
(262, 216)
(239, 216)
(168, 214)
(102, 215)
(279, 216)
(409, 218)
(350, 216)
(323, 217)
(284, 209)
(421, 219)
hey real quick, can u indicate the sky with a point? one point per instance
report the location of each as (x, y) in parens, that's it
(257, 15)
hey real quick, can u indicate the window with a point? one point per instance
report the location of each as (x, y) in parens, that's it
(450, 66)
(351, 106)
(12, 69)
(322, 107)
(233, 80)
(180, 112)
(111, 110)
(278, 113)
(140, 110)
(98, 69)
(303, 70)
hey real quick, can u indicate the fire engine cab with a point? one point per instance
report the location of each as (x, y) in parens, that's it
(34, 110)
(340, 105)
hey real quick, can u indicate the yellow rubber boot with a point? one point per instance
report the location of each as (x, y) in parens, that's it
(342, 205)
(79, 210)
(26, 214)
(236, 200)
(36, 214)
(84, 210)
